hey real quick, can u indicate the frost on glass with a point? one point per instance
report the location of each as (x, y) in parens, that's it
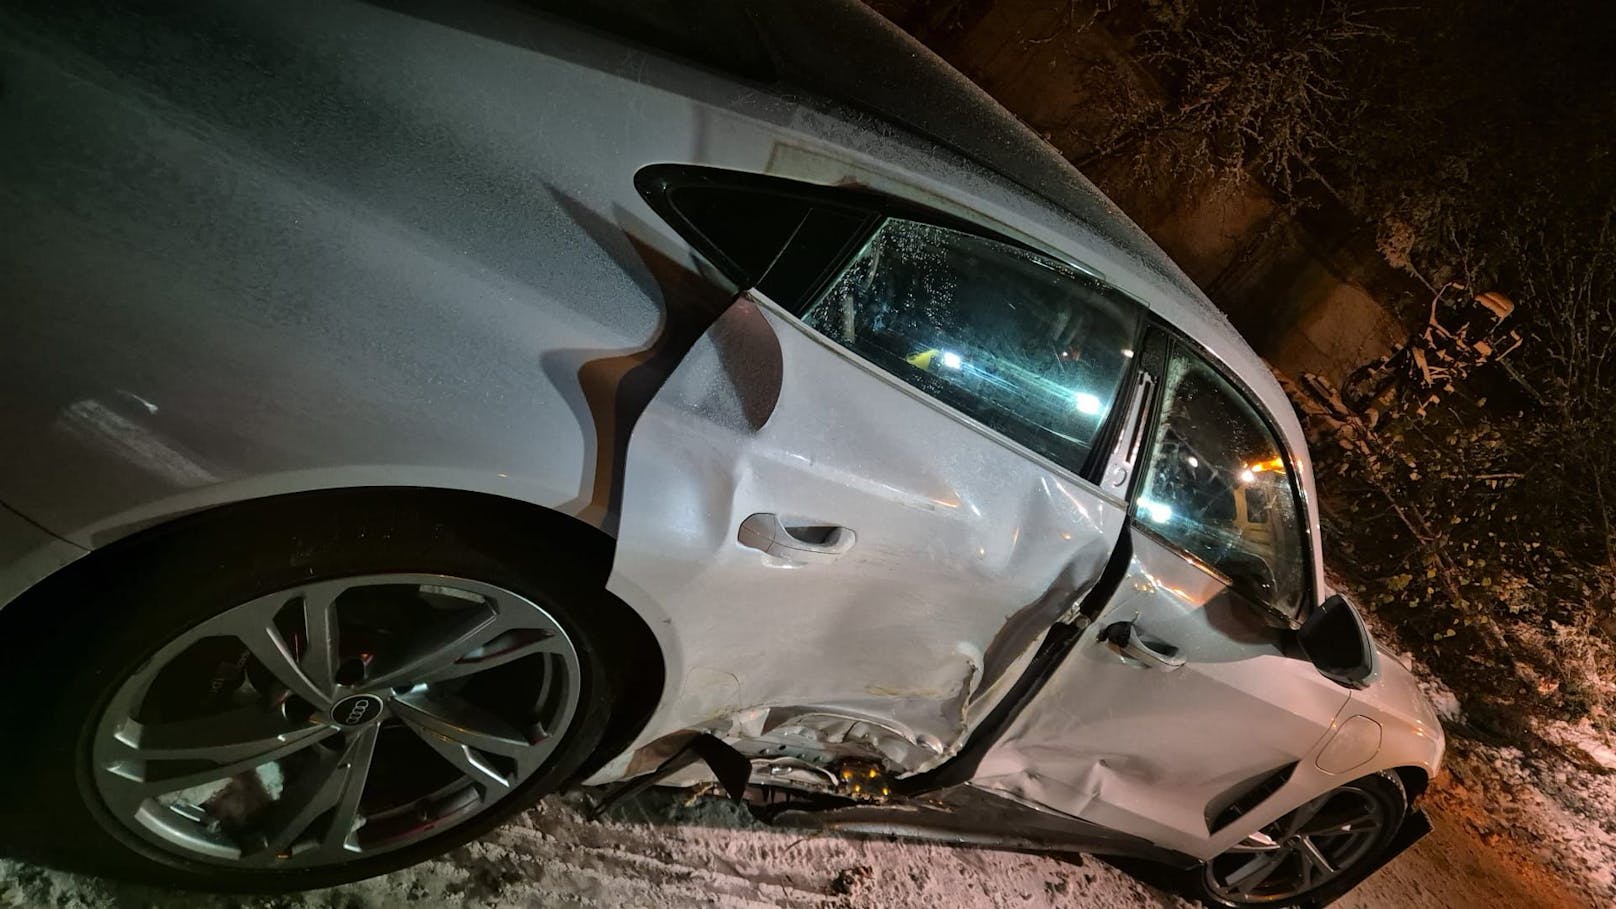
(1022, 344)
(1218, 488)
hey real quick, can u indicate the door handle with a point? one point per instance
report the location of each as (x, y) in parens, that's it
(1124, 636)
(802, 541)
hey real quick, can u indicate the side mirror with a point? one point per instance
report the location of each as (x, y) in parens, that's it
(1338, 645)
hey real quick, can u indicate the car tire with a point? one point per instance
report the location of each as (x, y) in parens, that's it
(70, 649)
(1376, 803)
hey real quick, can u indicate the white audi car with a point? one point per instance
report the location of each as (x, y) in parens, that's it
(410, 409)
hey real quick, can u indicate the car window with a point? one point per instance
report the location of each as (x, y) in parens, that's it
(744, 229)
(1021, 343)
(1217, 487)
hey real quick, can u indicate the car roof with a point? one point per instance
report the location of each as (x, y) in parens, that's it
(843, 51)
(879, 69)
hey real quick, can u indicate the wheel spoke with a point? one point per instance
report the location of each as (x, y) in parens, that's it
(1248, 877)
(319, 661)
(232, 743)
(501, 649)
(355, 770)
(1315, 867)
(465, 759)
(265, 642)
(334, 785)
(419, 663)
(457, 720)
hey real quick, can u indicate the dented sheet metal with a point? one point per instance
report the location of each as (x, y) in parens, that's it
(965, 815)
(960, 557)
(1146, 751)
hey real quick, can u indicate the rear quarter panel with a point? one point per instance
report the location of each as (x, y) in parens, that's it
(255, 249)
(250, 251)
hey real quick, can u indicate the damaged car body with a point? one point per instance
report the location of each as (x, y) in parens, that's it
(666, 406)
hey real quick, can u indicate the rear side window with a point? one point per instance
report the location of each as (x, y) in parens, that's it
(743, 229)
(1015, 340)
(784, 237)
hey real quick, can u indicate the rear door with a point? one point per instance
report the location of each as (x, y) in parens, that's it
(866, 501)
(1183, 704)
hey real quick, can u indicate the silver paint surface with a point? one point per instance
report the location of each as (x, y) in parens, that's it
(1353, 742)
(262, 251)
(955, 541)
(1144, 750)
(28, 554)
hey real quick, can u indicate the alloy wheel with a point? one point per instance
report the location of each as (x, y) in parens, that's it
(336, 720)
(1302, 851)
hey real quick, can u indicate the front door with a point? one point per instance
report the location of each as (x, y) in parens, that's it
(867, 508)
(1183, 694)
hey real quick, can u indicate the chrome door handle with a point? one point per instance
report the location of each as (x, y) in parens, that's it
(797, 541)
(1124, 636)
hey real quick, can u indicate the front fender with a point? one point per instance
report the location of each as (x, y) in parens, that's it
(1388, 726)
(1411, 733)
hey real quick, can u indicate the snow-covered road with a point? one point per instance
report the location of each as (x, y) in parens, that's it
(661, 852)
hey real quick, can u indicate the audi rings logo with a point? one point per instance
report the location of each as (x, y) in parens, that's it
(357, 710)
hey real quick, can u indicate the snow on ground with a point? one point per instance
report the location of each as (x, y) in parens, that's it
(1552, 813)
(662, 852)
(659, 852)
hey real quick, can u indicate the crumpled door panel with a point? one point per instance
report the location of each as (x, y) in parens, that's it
(1146, 751)
(963, 551)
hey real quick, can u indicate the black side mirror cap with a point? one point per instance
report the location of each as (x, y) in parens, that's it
(1338, 644)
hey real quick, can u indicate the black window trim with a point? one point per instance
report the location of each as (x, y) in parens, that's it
(1177, 338)
(656, 183)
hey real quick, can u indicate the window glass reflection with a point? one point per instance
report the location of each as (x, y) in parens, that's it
(1017, 341)
(1217, 487)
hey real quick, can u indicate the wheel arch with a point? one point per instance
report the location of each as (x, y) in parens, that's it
(1415, 781)
(641, 670)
